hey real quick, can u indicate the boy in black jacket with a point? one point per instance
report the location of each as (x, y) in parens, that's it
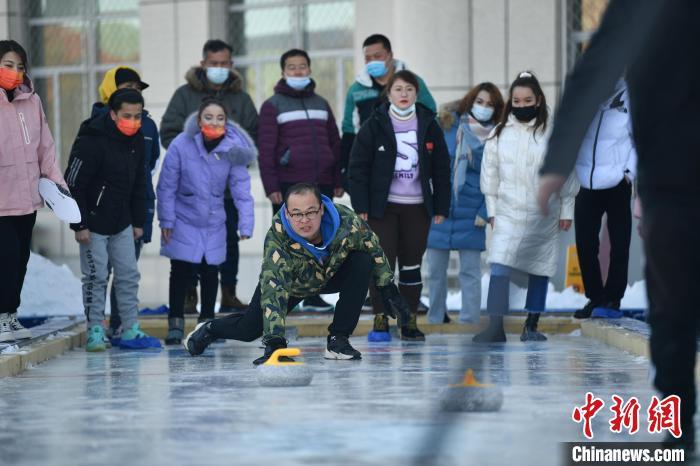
(107, 178)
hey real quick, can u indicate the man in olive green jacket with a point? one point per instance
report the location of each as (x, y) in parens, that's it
(312, 247)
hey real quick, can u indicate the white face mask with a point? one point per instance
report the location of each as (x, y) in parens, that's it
(405, 112)
(217, 75)
(481, 112)
(297, 82)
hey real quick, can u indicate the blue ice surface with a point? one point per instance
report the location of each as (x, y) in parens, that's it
(165, 407)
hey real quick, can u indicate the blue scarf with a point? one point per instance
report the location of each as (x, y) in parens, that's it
(329, 227)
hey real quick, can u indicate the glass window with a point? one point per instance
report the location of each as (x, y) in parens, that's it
(57, 44)
(583, 19)
(118, 41)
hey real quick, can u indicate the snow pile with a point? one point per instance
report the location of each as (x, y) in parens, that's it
(635, 297)
(50, 290)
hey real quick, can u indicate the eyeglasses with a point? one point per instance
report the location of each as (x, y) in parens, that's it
(308, 215)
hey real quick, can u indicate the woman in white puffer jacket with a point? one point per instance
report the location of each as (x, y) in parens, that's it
(523, 239)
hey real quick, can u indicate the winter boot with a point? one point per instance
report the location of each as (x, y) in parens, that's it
(6, 333)
(96, 339)
(191, 300)
(198, 339)
(410, 331)
(18, 329)
(530, 332)
(494, 333)
(380, 329)
(339, 347)
(176, 330)
(586, 311)
(229, 301)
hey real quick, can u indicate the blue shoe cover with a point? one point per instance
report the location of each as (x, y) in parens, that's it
(605, 313)
(139, 343)
(147, 311)
(378, 336)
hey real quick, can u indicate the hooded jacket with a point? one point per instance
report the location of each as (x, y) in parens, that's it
(458, 230)
(298, 139)
(608, 153)
(290, 268)
(188, 97)
(523, 238)
(152, 153)
(373, 159)
(363, 97)
(191, 192)
(27, 151)
(106, 174)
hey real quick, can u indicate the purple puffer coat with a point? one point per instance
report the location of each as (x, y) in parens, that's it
(191, 192)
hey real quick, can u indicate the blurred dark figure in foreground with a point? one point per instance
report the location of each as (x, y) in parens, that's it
(655, 43)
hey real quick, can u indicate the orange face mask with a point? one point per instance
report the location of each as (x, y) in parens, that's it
(128, 127)
(10, 79)
(213, 132)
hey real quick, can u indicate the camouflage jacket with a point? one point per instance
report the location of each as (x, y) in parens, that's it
(289, 269)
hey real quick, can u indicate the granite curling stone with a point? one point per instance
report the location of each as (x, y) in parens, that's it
(472, 396)
(275, 373)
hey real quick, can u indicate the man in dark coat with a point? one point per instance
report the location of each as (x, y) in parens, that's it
(652, 41)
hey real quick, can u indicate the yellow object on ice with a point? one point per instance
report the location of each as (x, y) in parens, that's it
(573, 270)
(470, 381)
(274, 359)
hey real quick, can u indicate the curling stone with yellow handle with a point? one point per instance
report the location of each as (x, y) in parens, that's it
(472, 396)
(276, 373)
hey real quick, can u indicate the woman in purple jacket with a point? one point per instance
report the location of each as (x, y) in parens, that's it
(211, 152)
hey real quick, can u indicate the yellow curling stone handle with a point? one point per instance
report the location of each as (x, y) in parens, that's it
(274, 359)
(470, 381)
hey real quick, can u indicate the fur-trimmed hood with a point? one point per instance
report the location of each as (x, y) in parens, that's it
(447, 113)
(197, 78)
(237, 146)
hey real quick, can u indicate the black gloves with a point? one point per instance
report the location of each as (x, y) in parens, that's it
(395, 305)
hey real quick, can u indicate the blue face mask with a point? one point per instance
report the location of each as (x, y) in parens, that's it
(481, 112)
(297, 83)
(217, 75)
(376, 68)
(403, 113)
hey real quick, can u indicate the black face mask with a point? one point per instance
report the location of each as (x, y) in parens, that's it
(525, 114)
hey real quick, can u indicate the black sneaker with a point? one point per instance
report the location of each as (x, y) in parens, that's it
(339, 347)
(272, 345)
(316, 304)
(586, 311)
(198, 339)
(367, 305)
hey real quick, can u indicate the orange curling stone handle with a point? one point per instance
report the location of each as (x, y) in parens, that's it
(470, 381)
(274, 358)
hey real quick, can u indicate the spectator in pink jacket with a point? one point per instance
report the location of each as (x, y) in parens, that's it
(27, 153)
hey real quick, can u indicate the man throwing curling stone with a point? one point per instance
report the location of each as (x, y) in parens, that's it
(313, 247)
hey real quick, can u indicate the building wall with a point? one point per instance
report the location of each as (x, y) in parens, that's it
(452, 44)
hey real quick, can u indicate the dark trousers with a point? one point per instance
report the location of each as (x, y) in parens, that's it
(351, 281)
(229, 269)
(180, 278)
(326, 190)
(114, 319)
(589, 210)
(15, 238)
(403, 234)
(672, 275)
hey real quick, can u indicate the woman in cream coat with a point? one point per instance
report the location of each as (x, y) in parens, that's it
(523, 239)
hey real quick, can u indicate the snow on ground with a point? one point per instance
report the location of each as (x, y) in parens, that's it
(50, 289)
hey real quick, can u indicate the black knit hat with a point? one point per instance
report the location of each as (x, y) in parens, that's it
(127, 75)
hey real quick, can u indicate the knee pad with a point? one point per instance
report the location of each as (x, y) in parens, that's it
(410, 276)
